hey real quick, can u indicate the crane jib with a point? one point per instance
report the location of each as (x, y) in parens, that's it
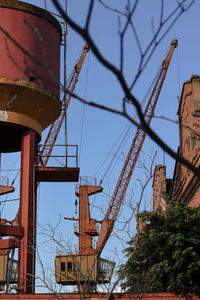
(55, 127)
(131, 160)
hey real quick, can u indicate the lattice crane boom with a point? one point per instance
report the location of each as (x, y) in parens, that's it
(131, 160)
(55, 127)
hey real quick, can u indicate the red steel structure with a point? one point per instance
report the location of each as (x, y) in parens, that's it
(27, 215)
(29, 83)
(25, 233)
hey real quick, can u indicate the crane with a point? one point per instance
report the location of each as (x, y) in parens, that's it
(87, 267)
(132, 157)
(55, 127)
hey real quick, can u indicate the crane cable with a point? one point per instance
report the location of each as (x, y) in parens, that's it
(124, 136)
(179, 83)
(128, 132)
(13, 181)
(83, 113)
(122, 143)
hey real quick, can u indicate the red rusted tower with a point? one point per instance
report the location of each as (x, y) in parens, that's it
(30, 41)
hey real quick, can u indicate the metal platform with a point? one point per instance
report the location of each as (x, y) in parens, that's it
(56, 174)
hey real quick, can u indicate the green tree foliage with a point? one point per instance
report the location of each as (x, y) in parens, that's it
(167, 257)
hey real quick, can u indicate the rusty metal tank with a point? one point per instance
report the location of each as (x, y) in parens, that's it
(30, 39)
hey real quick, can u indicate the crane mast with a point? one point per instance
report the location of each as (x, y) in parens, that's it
(55, 127)
(131, 160)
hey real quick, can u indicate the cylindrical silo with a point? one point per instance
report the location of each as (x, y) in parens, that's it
(30, 39)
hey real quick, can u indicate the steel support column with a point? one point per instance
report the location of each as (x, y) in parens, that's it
(87, 226)
(27, 214)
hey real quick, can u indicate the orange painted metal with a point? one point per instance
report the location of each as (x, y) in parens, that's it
(87, 226)
(27, 215)
(6, 189)
(132, 157)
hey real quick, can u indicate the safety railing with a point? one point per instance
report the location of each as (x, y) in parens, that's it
(63, 251)
(88, 180)
(4, 181)
(69, 158)
(85, 180)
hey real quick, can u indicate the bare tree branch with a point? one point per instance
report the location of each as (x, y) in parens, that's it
(128, 95)
(89, 14)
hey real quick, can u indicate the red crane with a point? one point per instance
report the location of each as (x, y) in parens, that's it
(132, 157)
(87, 267)
(55, 127)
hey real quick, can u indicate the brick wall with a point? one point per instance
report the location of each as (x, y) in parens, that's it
(186, 187)
(115, 296)
(159, 188)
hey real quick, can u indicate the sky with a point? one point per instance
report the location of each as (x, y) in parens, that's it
(98, 133)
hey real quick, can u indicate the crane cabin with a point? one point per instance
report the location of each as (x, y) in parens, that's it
(71, 269)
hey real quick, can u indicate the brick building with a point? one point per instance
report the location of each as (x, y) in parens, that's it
(184, 186)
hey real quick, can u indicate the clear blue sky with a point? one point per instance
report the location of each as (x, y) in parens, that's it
(96, 131)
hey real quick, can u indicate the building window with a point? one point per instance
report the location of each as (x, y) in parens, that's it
(69, 266)
(62, 266)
